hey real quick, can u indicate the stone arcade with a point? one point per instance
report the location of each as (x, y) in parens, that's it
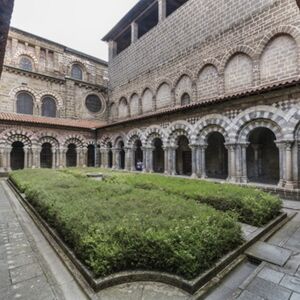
(196, 88)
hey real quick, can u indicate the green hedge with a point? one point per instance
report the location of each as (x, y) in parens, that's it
(253, 206)
(117, 225)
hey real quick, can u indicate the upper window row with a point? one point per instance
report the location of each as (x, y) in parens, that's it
(26, 64)
(25, 105)
(146, 21)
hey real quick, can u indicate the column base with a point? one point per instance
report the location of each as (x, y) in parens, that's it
(289, 185)
(194, 176)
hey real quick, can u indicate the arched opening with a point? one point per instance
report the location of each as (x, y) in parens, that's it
(49, 107)
(17, 156)
(183, 157)
(158, 156)
(121, 161)
(138, 155)
(216, 157)
(110, 156)
(91, 156)
(76, 72)
(185, 99)
(71, 156)
(24, 104)
(46, 156)
(263, 157)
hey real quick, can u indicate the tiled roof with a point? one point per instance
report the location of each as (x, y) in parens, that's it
(84, 124)
(250, 92)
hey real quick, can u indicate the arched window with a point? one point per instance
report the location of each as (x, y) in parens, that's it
(76, 72)
(93, 103)
(24, 104)
(26, 63)
(185, 99)
(48, 107)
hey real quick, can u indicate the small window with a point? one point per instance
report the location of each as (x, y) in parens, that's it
(24, 104)
(76, 72)
(93, 103)
(185, 99)
(26, 63)
(48, 107)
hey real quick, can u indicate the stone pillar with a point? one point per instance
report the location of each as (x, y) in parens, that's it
(62, 157)
(98, 157)
(84, 154)
(2, 160)
(289, 184)
(145, 159)
(104, 158)
(150, 159)
(26, 151)
(132, 159)
(241, 162)
(232, 174)
(36, 154)
(7, 155)
(134, 32)
(112, 46)
(202, 166)
(166, 160)
(115, 159)
(128, 159)
(194, 149)
(54, 154)
(282, 164)
(162, 10)
(171, 160)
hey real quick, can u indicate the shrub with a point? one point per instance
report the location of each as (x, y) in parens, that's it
(116, 225)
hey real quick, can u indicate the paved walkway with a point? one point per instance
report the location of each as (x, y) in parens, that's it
(24, 272)
(31, 270)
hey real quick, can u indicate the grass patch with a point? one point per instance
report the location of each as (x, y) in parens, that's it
(130, 222)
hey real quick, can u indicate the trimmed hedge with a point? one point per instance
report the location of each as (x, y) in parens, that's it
(253, 206)
(116, 225)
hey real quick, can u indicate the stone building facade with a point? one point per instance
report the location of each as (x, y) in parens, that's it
(207, 89)
(51, 100)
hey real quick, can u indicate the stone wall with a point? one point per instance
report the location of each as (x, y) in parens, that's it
(51, 76)
(218, 47)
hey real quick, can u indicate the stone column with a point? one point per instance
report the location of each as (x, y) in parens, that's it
(194, 149)
(132, 159)
(134, 32)
(166, 160)
(162, 10)
(115, 159)
(26, 151)
(172, 160)
(7, 152)
(282, 164)
(150, 159)
(232, 174)
(62, 157)
(54, 152)
(104, 158)
(98, 157)
(84, 154)
(289, 184)
(241, 162)
(202, 166)
(2, 160)
(128, 159)
(145, 158)
(36, 152)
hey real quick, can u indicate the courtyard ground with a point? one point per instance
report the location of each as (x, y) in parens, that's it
(30, 271)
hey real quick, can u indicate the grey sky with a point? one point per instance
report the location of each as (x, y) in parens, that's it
(75, 23)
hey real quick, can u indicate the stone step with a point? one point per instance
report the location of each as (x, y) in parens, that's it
(262, 251)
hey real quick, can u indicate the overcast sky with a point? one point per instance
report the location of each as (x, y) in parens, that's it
(78, 24)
